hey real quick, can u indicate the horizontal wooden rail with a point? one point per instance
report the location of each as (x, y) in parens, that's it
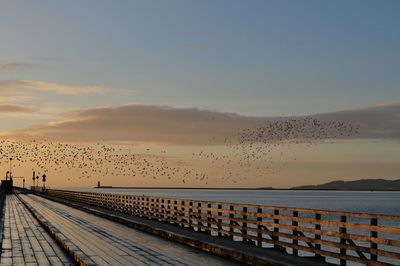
(338, 237)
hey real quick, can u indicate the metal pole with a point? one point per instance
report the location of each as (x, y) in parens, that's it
(33, 179)
(10, 167)
(44, 182)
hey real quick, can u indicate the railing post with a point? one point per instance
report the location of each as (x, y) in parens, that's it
(342, 230)
(231, 215)
(122, 204)
(126, 204)
(373, 233)
(129, 205)
(175, 211)
(182, 215)
(317, 236)
(151, 209)
(119, 207)
(139, 206)
(169, 209)
(208, 219)
(295, 241)
(190, 215)
(244, 225)
(276, 230)
(259, 227)
(154, 208)
(219, 220)
(160, 207)
(199, 216)
(157, 209)
(133, 205)
(148, 207)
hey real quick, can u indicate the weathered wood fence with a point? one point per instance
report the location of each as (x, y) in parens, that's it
(337, 237)
(2, 199)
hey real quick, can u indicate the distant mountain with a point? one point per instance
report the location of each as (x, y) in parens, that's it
(362, 184)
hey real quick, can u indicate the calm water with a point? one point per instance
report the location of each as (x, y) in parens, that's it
(354, 201)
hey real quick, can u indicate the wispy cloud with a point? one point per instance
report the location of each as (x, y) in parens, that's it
(7, 85)
(13, 65)
(196, 127)
(15, 109)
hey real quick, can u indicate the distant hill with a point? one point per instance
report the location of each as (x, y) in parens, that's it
(362, 184)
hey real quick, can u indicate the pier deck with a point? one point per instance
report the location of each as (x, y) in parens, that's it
(25, 242)
(99, 241)
(66, 227)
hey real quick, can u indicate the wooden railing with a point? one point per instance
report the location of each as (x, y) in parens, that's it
(337, 237)
(2, 199)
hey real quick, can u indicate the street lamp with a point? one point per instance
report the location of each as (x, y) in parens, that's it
(44, 182)
(33, 179)
(10, 167)
(37, 182)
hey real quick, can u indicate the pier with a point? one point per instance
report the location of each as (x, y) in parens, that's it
(68, 227)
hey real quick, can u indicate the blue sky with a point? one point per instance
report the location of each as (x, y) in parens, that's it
(251, 57)
(101, 70)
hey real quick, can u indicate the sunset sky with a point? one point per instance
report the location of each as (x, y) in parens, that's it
(173, 78)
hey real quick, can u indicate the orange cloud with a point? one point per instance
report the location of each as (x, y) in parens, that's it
(15, 109)
(140, 123)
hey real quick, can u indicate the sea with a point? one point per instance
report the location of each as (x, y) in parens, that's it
(376, 202)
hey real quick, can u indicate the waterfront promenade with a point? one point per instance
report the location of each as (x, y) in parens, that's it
(93, 240)
(65, 227)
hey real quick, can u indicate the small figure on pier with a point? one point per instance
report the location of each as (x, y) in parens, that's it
(7, 183)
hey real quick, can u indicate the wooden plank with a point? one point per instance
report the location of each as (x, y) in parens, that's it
(25, 242)
(115, 244)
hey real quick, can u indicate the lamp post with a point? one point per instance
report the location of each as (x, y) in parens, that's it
(44, 182)
(10, 167)
(37, 182)
(33, 179)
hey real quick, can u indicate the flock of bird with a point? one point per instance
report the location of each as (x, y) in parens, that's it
(86, 161)
(252, 151)
(266, 149)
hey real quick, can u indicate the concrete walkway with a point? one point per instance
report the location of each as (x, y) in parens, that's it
(24, 241)
(98, 241)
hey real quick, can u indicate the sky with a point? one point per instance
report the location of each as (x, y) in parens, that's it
(69, 69)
